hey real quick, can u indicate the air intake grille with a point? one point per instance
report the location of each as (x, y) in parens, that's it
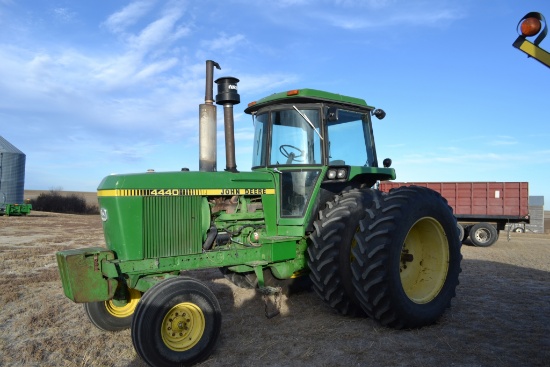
(171, 225)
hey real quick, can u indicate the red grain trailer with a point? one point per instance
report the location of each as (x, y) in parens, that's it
(481, 208)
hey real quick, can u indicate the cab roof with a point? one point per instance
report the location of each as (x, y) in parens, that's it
(307, 95)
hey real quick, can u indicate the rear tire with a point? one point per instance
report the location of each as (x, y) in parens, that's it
(330, 247)
(108, 316)
(483, 234)
(407, 258)
(176, 323)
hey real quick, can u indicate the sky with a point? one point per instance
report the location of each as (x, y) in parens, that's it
(89, 88)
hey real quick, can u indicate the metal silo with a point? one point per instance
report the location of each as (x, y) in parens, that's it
(12, 173)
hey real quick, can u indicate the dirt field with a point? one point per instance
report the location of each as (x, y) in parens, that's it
(500, 317)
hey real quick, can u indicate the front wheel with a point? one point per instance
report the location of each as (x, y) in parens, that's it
(176, 323)
(407, 258)
(113, 316)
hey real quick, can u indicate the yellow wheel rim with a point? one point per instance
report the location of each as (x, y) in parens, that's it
(424, 260)
(183, 326)
(126, 310)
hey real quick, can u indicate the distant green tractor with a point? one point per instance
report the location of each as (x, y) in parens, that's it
(15, 209)
(308, 208)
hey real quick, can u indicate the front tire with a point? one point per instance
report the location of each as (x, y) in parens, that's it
(109, 316)
(176, 323)
(407, 258)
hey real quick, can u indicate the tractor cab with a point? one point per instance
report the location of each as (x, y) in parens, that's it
(308, 134)
(311, 127)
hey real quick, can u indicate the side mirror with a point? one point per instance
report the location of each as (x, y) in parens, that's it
(379, 113)
(332, 114)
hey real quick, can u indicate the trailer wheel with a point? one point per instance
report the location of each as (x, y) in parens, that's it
(177, 322)
(483, 234)
(407, 258)
(108, 316)
(519, 230)
(461, 232)
(329, 251)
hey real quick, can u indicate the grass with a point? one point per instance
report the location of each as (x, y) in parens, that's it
(500, 316)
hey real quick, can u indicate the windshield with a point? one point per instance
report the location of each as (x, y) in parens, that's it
(348, 138)
(295, 137)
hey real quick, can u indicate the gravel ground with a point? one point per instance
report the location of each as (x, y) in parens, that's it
(500, 317)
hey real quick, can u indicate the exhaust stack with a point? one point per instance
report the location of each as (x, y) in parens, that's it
(207, 123)
(228, 96)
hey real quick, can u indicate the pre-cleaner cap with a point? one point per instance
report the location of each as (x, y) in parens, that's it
(227, 90)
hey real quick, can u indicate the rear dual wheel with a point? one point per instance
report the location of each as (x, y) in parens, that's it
(329, 251)
(407, 258)
(176, 323)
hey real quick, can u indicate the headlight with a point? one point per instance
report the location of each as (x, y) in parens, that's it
(337, 174)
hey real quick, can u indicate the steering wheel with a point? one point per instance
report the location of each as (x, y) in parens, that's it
(291, 156)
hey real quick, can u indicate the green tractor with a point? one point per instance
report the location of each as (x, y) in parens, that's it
(307, 210)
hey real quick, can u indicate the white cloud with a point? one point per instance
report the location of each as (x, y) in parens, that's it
(64, 14)
(504, 140)
(392, 18)
(224, 42)
(129, 15)
(358, 15)
(156, 68)
(158, 32)
(145, 54)
(419, 17)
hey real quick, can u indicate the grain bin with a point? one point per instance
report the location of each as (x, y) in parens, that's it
(12, 173)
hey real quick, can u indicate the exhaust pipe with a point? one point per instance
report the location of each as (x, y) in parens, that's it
(228, 96)
(207, 123)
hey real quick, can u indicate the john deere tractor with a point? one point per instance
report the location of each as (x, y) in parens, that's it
(308, 208)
